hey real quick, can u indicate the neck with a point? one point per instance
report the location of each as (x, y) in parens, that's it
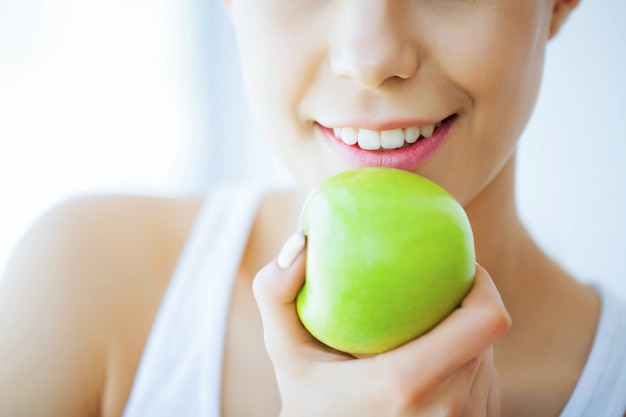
(499, 235)
(522, 272)
(540, 296)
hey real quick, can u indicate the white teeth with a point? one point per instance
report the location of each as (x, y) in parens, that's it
(349, 136)
(427, 131)
(369, 139)
(411, 134)
(387, 139)
(392, 139)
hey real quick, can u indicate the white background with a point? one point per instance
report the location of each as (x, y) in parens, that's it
(144, 96)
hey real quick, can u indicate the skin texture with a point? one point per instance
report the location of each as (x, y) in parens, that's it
(82, 290)
(481, 60)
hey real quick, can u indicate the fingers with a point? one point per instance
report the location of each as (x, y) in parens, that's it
(474, 388)
(494, 402)
(449, 368)
(481, 386)
(462, 336)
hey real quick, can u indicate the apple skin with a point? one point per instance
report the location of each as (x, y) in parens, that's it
(389, 255)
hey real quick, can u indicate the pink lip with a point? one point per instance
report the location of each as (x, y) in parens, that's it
(407, 159)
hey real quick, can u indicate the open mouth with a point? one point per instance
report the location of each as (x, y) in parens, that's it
(386, 140)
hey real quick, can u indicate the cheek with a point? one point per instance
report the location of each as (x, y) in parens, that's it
(497, 61)
(258, 43)
(278, 59)
(282, 52)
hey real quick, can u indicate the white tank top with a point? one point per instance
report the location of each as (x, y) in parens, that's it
(181, 368)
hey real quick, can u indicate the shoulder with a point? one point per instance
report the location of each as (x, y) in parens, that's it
(79, 298)
(91, 242)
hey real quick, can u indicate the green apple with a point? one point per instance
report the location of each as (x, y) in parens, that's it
(389, 255)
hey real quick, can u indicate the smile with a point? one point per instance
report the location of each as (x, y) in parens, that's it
(373, 140)
(404, 146)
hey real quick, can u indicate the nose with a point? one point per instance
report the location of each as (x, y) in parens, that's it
(372, 45)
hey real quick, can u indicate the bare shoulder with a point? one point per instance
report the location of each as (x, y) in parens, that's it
(79, 298)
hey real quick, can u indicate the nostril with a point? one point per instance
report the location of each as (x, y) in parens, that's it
(371, 58)
(409, 63)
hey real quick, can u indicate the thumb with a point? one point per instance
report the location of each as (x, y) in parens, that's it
(275, 288)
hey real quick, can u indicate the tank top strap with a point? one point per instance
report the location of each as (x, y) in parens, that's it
(180, 369)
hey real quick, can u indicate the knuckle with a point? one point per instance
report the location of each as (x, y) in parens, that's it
(497, 320)
(272, 348)
(260, 283)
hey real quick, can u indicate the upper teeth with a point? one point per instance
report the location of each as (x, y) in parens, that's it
(385, 139)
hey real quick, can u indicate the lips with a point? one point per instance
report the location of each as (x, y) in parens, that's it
(404, 148)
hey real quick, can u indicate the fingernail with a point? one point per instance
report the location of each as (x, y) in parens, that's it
(292, 247)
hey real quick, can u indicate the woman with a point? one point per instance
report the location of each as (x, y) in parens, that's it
(79, 305)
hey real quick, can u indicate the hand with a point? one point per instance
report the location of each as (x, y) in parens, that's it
(448, 371)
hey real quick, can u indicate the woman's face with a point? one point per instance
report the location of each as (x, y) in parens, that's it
(322, 74)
